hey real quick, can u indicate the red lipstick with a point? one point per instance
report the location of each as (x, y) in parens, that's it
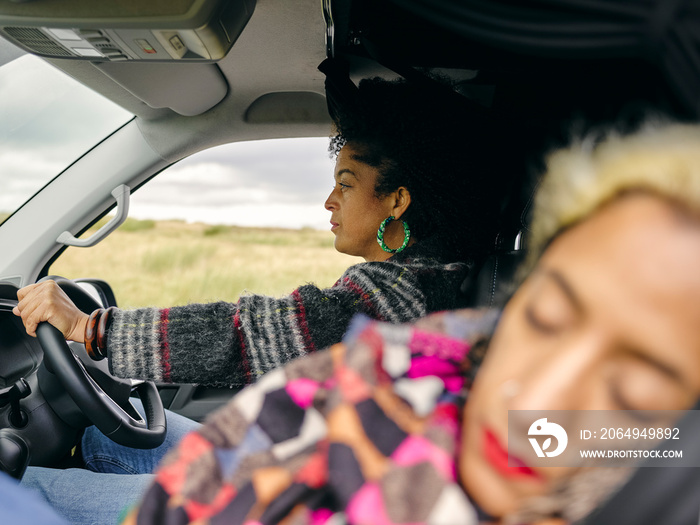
(497, 456)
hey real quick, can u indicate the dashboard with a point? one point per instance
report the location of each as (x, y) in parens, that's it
(20, 355)
(33, 414)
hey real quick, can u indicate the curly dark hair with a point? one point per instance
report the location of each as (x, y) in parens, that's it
(440, 148)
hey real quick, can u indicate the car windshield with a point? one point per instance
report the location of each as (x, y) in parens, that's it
(47, 121)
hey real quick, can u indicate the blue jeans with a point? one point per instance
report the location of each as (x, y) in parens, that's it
(20, 506)
(117, 477)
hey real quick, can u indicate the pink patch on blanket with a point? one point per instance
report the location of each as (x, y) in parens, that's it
(352, 385)
(449, 372)
(366, 506)
(320, 516)
(201, 511)
(416, 449)
(446, 416)
(302, 391)
(173, 475)
(438, 345)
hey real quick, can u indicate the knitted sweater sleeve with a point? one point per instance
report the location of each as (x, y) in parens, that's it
(232, 344)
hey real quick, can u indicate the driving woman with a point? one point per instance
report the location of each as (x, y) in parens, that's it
(377, 430)
(411, 195)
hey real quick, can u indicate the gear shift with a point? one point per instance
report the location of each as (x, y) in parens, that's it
(12, 396)
(14, 453)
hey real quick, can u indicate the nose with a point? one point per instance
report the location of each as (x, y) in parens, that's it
(331, 203)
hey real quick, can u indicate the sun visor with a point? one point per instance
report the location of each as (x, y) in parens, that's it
(126, 31)
(187, 89)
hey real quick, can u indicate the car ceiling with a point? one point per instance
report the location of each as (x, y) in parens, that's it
(273, 86)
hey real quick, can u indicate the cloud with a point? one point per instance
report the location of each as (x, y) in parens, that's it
(48, 120)
(42, 106)
(259, 215)
(295, 169)
(263, 183)
(22, 175)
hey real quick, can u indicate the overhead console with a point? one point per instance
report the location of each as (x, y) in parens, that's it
(126, 30)
(163, 52)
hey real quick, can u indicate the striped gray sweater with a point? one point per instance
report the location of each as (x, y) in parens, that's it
(232, 344)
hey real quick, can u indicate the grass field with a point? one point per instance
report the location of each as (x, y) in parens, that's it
(168, 263)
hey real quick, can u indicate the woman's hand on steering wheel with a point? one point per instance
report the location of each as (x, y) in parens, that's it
(46, 301)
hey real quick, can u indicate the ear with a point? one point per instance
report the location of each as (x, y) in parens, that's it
(402, 200)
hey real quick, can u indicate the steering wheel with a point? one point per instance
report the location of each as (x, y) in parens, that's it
(121, 423)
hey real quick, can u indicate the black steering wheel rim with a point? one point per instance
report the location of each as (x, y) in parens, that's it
(103, 411)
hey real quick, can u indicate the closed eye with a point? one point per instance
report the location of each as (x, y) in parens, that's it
(538, 324)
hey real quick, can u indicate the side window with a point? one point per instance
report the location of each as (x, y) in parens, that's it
(235, 219)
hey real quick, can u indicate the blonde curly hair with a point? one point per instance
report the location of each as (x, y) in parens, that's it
(659, 158)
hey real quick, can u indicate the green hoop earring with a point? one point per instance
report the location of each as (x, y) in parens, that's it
(380, 235)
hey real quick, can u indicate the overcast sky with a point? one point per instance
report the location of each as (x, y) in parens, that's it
(263, 183)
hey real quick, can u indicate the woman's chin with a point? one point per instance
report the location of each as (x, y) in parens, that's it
(491, 482)
(346, 249)
(338, 245)
(342, 249)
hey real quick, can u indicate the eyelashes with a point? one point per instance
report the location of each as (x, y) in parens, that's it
(538, 324)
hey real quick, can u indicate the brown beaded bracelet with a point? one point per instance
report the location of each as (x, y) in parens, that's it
(91, 333)
(103, 325)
